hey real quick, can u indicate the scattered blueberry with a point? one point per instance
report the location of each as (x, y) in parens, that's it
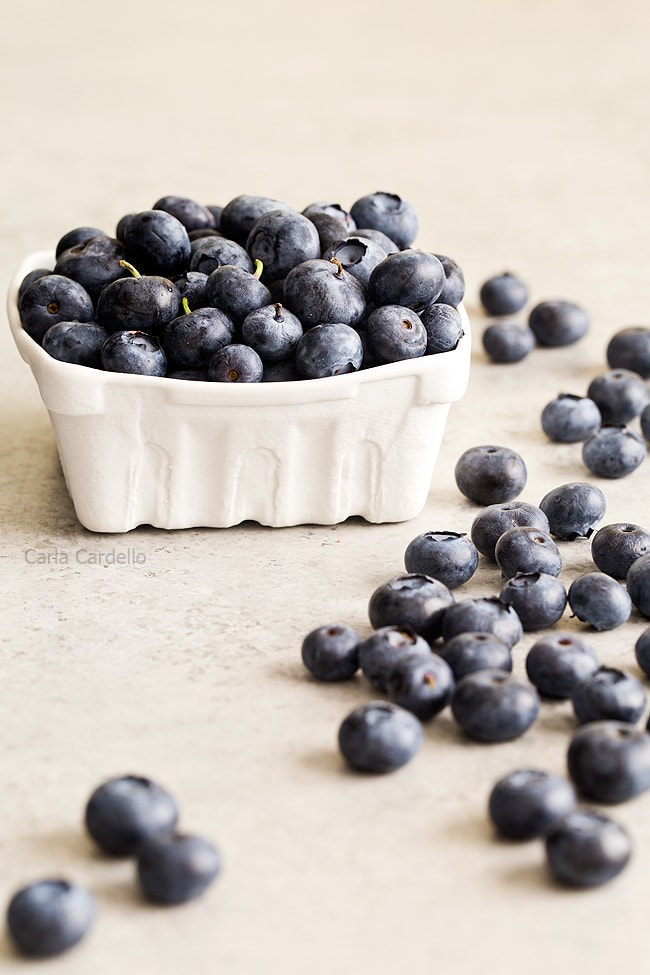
(331, 652)
(125, 812)
(450, 557)
(413, 600)
(569, 418)
(557, 323)
(523, 549)
(379, 652)
(491, 523)
(49, 917)
(598, 599)
(178, 868)
(538, 598)
(494, 706)
(482, 614)
(507, 342)
(613, 451)
(471, 651)
(609, 761)
(630, 349)
(557, 662)
(619, 394)
(645, 422)
(503, 294)
(490, 474)
(421, 683)
(615, 547)
(379, 737)
(586, 849)
(638, 584)
(573, 509)
(642, 652)
(527, 803)
(609, 694)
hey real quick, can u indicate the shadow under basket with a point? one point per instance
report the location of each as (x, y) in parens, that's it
(174, 453)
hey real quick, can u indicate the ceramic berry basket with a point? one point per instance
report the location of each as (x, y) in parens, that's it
(173, 453)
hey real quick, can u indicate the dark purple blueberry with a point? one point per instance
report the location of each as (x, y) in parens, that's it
(30, 278)
(556, 323)
(280, 372)
(413, 600)
(134, 352)
(359, 256)
(200, 233)
(644, 419)
(609, 761)
(49, 917)
(443, 326)
(94, 263)
(157, 243)
(273, 331)
(453, 290)
(598, 599)
(468, 652)
(557, 662)
(490, 474)
(193, 215)
(176, 869)
(189, 341)
(330, 230)
(609, 694)
(50, 299)
(482, 614)
(122, 224)
(494, 706)
(619, 394)
(76, 342)
(235, 363)
(638, 584)
(191, 286)
(379, 737)
(384, 241)
(333, 210)
(320, 292)
(507, 342)
(379, 652)
(76, 236)
(574, 509)
(331, 653)
(216, 210)
(539, 599)
(395, 333)
(138, 303)
(450, 557)
(630, 349)
(569, 418)
(421, 684)
(413, 278)
(523, 549)
(210, 253)
(236, 291)
(526, 803)
(125, 812)
(642, 652)
(613, 451)
(490, 524)
(240, 214)
(388, 213)
(615, 547)
(503, 294)
(281, 240)
(587, 849)
(328, 350)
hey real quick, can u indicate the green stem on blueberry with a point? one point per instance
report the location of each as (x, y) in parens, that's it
(129, 267)
(186, 306)
(259, 267)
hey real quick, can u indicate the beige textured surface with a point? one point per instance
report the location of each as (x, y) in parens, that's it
(520, 132)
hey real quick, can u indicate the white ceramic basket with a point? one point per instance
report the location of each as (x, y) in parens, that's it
(179, 454)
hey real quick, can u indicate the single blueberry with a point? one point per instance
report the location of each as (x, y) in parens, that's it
(331, 652)
(609, 694)
(586, 849)
(471, 651)
(190, 341)
(630, 349)
(49, 917)
(193, 215)
(236, 291)
(379, 737)
(642, 652)
(329, 349)
(644, 419)
(490, 474)
(93, 263)
(358, 255)
(157, 243)
(598, 599)
(569, 418)
(273, 331)
(503, 294)
(453, 290)
(333, 210)
(142, 303)
(125, 812)
(413, 600)
(443, 326)
(538, 598)
(507, 342)
(394, 333)
(613, 451)
(527, 803)
(377, 237)
(619, 394)
(524, 549)
(609, 761)
(421, 684)
(320, 292)
(450, 557)
(281, 240)
(490, 524)
(482, 614)
(412, 278)
(76, 236)
(573, 509)
(494, 706)
(379, 652)
(178, 868)
(209, 253)
(389, 214)
(133, 352)
(557, 323)
(235, 363)
(191, 286)
(30, 277)
(638, 584)
(557, 662)
(76, 342)
(615, 547)
(50, 299)
(240, 214)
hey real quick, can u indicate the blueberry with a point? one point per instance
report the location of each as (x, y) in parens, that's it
(330, 349)
(331, 652)
(619, 394)
(157, 243)
(630, 349)
(538, 598)
(490, 524)
(421, 684)
(125, 812)
(191, 285)
(645, 422)
(507, 342)
(358, 255)
(209, 253)
(48, 917)
(482, 614)
(389, 214)
(556, 664)
(236, 291)
(471, 651)
(638, 584)
(379, 652)
(412, 600)
(193, 215)
(240, 214)
(586, 849)
(333, 210)
(395, 333)
(379, 737)
(503, 294)
(76, 342)
(494, 706)
(190, 341)
(490, 474)
(613, 451)
(282, 371)
(320, 292)
(76, 236)
(93, 263)
(450, 557)
(523, 549)
(142, 303)
(569, 418)
(609, 761)
(50, 299)
(122, 224)
(377, 237)
(642, 652)
(235, 363)
(598, 599)
(133, 352)
(615, 547)
(281, 240)
(573, 509)
(30, 278)
(609, 694)
(527, 803)
(412, 278)
(453, 290)
(557, 323)
(273, 331)
(178, 868)
(443, 326)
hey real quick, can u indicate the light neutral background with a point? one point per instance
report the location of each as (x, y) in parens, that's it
(521, 134)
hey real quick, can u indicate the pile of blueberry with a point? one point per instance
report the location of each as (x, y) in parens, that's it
(126, 816)
(252, 291)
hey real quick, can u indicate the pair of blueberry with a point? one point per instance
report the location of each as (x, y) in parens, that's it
(126, 816)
